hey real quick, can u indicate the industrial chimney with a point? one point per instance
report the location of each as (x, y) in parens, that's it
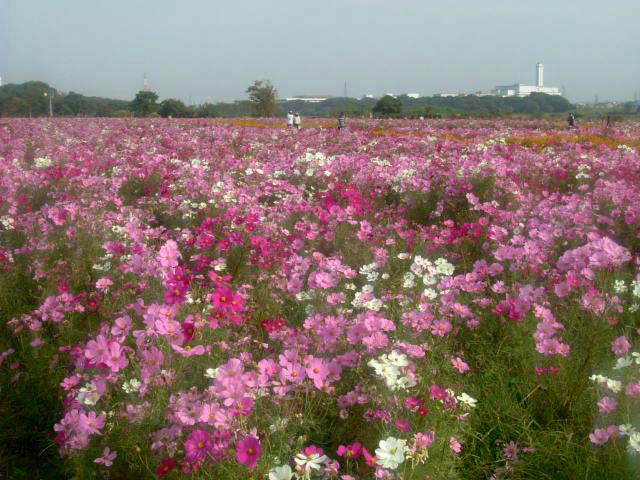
(539, 75)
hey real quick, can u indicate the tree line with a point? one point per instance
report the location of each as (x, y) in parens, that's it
(34, 99)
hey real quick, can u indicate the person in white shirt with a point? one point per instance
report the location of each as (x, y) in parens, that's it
(290, 119)
(297, 121)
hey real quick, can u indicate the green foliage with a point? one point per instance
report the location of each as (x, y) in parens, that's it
(136, 188)
(28, 98)
(122, 113)
(388, 106)
(13, 106)
(262, 95)
(207, 110)
(174, 108)
(144, 104)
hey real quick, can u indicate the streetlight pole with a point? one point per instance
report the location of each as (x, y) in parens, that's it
(48, 94)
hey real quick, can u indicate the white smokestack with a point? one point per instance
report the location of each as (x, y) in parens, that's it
(539, 75)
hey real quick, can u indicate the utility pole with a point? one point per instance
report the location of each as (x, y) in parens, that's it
(345, 90)
(48, 94)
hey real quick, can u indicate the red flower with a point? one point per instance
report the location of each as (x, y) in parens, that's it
(167, 466)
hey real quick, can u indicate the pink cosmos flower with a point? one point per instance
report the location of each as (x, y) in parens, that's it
(121, 325)
(459, 365)
(107, 457)
(350, 451)
(169, 255)
(455, 445)
(371, 460)
(620, 346)
(248, 451)
(336, 298)
(189, 351)
(104, 283)
(243, 406)
(222, 298)
(293, 372)
(198, 445)
(317, 371)
(97, 351)
(600, 436)
(403, 425)
(441, 328)
(322, 280)
(413, 402)
(116, 360)
(92, 423)
(511, 451)
(424, 440)
(633, 390)
(607, 405)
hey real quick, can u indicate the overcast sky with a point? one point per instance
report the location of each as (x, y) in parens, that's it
(212, 50)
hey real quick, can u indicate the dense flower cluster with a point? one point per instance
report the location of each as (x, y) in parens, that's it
(226, 298)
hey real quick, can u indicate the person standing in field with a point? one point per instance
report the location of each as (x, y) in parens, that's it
(342, 121)
(571, 121)
(290, 119)
(608, 122)
(297, 121)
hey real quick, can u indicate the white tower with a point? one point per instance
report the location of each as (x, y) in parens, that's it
(145, 83)
(539, 75)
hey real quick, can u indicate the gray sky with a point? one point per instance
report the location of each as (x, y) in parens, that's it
(212, 50)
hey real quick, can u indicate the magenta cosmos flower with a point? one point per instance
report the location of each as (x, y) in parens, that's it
(248, 451)
(198, 445)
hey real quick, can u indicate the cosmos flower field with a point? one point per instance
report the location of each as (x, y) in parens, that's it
(228, 299)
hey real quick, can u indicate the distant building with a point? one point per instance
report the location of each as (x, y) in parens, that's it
(308, 98)
(475, 94)
(521, 90)
(367, 95)
(413, 95)
(390, 95)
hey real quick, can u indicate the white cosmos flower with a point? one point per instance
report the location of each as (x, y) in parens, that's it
(623, 362)
(391, 452)
(627, 429)
(310, 462)
(619, 286)
(280, 473)
(444, 267)
(398, 359)
(429, 279)
(467, 400)
(634, 442)
(409, 280)
(614, 385)
(430, 293)
(132, 385)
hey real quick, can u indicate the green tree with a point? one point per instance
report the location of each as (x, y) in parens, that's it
(262, 95)
(12, 106)
(207, 110)
(145, 104)
(172, 107)
(388, 106)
